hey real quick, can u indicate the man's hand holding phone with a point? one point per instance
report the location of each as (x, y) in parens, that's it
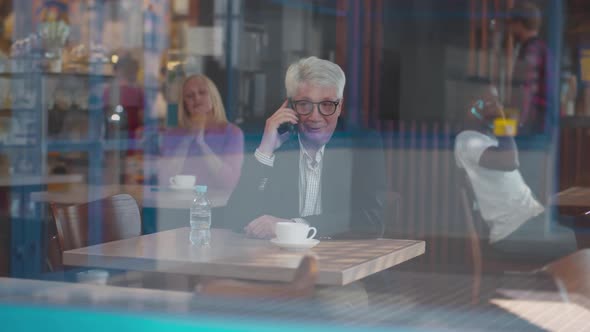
(271, 139)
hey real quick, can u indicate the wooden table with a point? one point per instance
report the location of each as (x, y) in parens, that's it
(146, 196)
(573, 201)
(232, 255)
(574, 196)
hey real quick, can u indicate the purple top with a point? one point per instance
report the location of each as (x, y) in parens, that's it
(182, 155)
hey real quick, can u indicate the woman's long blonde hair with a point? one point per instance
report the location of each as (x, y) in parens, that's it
(218, 117)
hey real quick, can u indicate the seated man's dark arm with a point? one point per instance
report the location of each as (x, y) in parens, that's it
(503, 157)
(247, 202)
(362, 221)
(364, 216)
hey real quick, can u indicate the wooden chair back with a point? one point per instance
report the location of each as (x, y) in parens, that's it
(53, 260)
(481, 228)
(302, 285)
(119, 219)
(474, 243)
(570, 274)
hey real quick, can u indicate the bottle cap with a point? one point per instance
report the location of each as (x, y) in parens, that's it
(201, 189)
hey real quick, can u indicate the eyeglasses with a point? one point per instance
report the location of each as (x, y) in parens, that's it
(305, 107)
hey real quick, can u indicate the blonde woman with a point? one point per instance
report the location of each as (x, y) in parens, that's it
(205, 144)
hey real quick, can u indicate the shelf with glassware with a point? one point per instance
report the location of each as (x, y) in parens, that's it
(60, 112)
(43, 118)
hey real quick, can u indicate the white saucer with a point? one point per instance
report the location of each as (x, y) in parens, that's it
(308, 244)
(173, 187)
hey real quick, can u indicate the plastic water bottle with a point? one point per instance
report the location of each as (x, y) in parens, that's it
(200, 218)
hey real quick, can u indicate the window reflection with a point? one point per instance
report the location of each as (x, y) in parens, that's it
(433, 145)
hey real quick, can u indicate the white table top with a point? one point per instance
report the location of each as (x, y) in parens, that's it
(232, 255)
(146, 196)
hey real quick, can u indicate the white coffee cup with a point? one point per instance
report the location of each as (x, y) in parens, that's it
(183, 181)
(94, 277)
(291, 232)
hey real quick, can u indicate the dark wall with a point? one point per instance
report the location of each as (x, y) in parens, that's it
(416, 36)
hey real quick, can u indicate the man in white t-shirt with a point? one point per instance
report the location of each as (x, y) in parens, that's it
(515, 218)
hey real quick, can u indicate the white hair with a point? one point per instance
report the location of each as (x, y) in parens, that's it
(316, 72)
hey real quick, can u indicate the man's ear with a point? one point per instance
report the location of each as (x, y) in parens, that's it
(339, 110)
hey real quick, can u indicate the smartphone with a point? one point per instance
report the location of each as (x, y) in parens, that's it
(288, 126)
(475, 110)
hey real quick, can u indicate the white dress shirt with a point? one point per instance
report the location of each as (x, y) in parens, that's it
(310, 185)
(310, 174)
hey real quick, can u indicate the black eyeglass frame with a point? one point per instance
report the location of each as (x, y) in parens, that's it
(293, 104)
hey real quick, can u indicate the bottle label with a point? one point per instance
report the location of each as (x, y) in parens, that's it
(200, 219)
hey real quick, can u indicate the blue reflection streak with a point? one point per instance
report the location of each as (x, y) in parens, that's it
(38, 318)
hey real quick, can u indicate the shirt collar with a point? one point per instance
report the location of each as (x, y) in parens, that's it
(307, 155)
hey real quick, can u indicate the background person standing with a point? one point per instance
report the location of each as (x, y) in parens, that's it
(530, 75)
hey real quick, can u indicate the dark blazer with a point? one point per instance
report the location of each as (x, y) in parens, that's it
(352, 176)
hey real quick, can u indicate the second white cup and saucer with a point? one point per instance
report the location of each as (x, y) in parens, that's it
(294, 236)
(183, 182)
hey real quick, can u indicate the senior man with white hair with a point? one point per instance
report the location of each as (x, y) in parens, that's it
(309, 174)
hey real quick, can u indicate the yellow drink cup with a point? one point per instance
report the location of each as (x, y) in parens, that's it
(505, 127)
